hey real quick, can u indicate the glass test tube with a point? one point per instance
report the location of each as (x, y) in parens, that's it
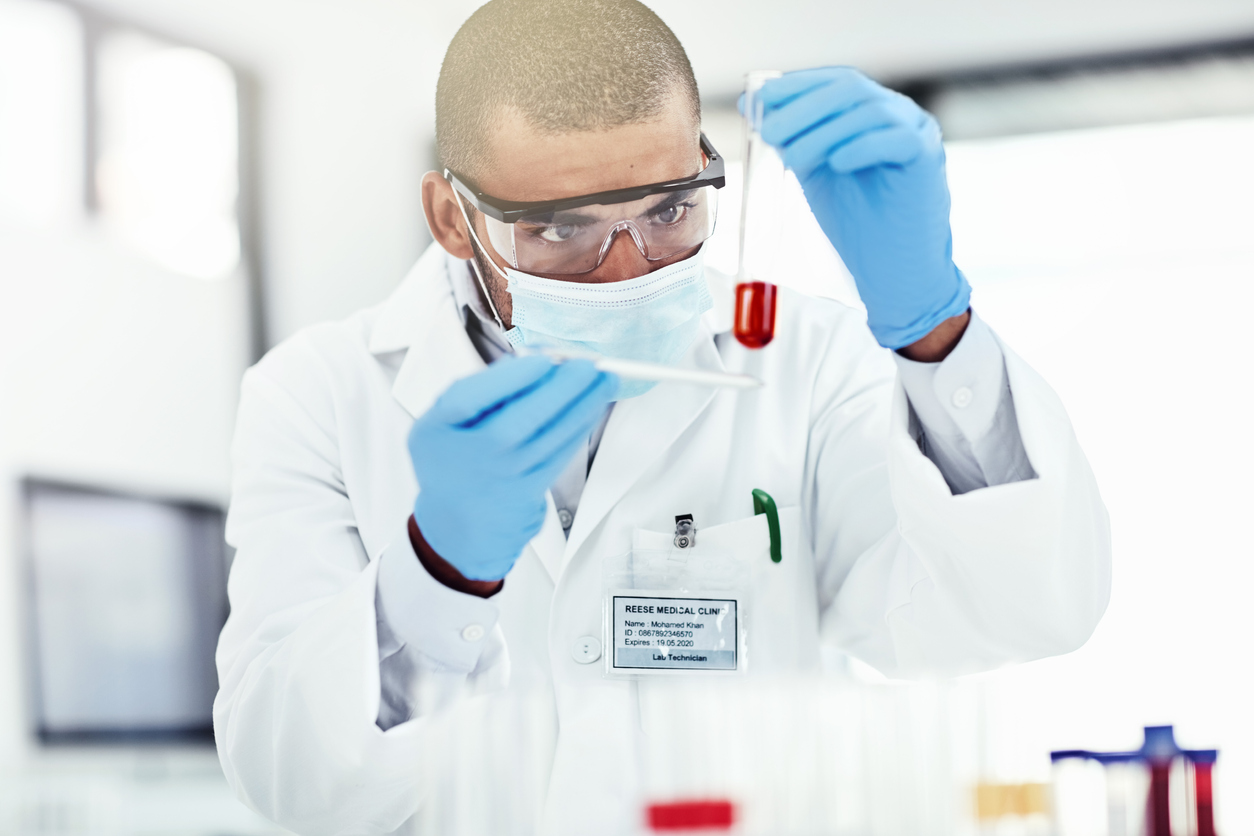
(1127, 795)
(1203, 795)
(1078, 797)
(761, 210)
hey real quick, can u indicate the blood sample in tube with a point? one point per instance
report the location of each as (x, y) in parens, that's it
(755, 313)
(1204, 798)
(1159, 808)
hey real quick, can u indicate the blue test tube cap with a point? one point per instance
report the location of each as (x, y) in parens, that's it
(1160, 744)
(1069, 754)
(1109, 758)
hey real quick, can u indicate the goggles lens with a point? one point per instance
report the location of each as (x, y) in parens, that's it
(577, 240)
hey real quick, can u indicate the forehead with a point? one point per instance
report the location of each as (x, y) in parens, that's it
(530, 165)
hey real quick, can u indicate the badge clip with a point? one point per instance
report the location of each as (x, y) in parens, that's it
(685, 532)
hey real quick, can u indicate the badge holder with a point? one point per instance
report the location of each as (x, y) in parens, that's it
(672, 607)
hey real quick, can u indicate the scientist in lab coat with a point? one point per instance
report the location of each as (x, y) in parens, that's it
(420, 514)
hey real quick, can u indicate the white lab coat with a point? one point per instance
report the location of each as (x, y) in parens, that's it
(881, 559)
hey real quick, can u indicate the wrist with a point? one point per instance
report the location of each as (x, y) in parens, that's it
(445, 572)
(939, 342)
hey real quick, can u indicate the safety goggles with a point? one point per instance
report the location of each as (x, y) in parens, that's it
(574, 234)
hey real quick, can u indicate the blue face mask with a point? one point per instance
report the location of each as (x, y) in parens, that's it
(653, 319)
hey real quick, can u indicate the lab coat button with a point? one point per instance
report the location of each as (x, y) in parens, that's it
(472, 632)
(962, 397)
(565, 518)
(586, 650)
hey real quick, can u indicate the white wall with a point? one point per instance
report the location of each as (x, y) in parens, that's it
(115, 370)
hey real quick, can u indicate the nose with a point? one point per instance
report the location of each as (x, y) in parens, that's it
(623, 261)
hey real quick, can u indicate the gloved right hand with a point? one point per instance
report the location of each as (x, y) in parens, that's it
(491, 446)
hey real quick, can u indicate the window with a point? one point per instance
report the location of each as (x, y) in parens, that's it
(167, 172)
(41, 113)
(149, 145)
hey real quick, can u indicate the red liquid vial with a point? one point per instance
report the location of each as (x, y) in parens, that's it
(1159, 808)
(755, 313)
(1205, 804)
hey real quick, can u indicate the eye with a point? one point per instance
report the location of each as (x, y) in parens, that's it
(556, 234)
(672, 214)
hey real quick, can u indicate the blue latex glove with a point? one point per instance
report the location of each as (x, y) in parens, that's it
(873, 170)
(490, 447)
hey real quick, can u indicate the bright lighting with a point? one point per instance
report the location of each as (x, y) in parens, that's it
(1119, 263)
(41, 104)
(167, 176)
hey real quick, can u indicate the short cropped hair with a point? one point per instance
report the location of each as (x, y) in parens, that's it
(564, 65)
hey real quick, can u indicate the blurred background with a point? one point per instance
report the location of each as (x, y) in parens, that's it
(184, 183)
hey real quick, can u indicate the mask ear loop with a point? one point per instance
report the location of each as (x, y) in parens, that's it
(474, 265)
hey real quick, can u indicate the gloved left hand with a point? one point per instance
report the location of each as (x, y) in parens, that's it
(873, 170)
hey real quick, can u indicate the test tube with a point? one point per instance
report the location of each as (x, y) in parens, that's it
(1079, 796)
(1160, 751)
(1127, 795)
(1204, 810)
(761, 210)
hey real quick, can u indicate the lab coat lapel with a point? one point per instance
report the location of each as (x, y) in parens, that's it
(422, 317)
(639, 431)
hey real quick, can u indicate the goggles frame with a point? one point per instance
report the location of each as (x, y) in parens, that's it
(512, 211)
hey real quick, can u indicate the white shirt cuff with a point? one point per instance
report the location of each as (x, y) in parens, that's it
(960, 394)
(445, 625)
(965, 413)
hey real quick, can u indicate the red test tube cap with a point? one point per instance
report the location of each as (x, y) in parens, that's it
(691, 814)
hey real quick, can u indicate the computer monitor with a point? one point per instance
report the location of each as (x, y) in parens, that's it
(127, 596)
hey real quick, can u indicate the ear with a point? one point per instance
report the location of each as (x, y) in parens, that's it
(444, 216)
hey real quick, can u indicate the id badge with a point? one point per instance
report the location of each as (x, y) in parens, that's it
(662, 631)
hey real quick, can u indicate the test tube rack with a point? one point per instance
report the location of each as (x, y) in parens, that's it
(1158, 753)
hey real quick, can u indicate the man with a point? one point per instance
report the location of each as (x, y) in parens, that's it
(420, 515)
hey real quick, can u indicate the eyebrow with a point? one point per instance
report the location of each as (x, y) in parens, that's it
(670, 199)
(551, 218)
(573, 217)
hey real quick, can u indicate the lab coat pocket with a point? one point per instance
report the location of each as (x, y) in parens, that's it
(762, 567)
(780, 609)
(783, 601)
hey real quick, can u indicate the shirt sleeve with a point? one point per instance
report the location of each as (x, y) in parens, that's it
(962, 413)
(430, 636)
